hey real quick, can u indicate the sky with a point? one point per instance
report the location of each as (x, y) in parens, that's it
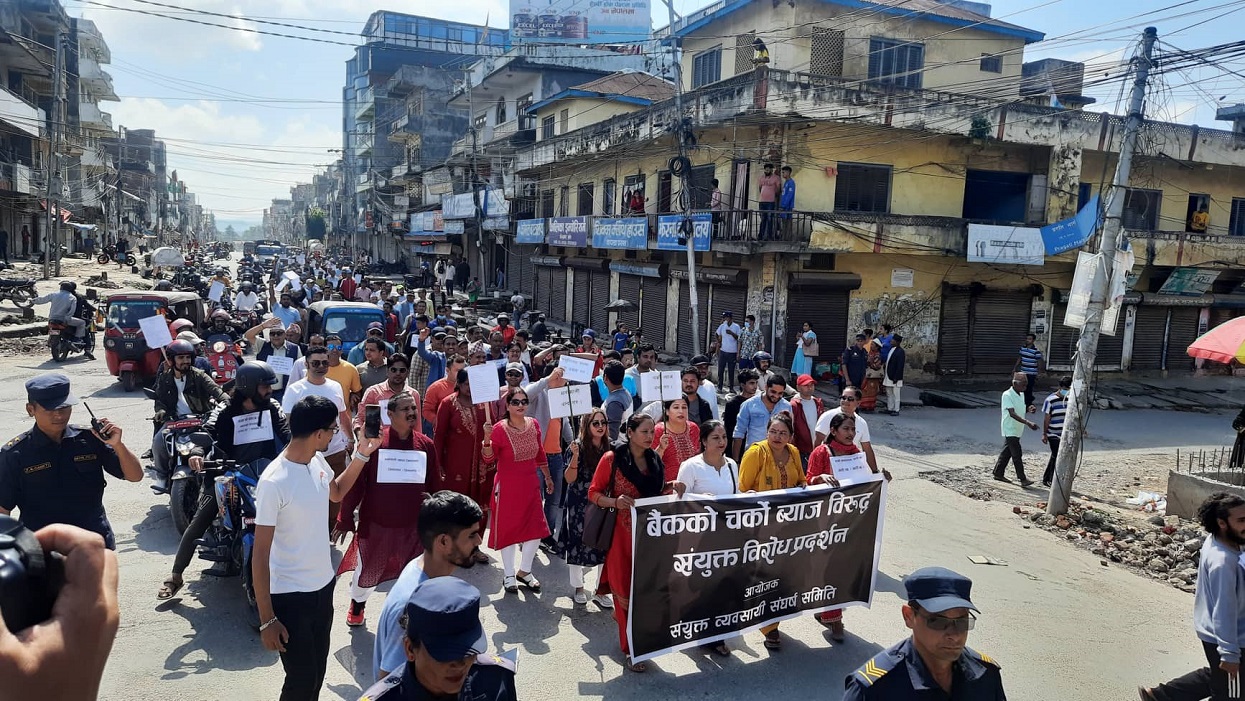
(246, 116)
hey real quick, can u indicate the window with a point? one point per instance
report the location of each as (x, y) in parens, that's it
(564, 118)
(991, 64)
(893, 62)
(1197, 218)
(546, 203)
(826, 55)
(564, 201)
(585, 199)
(863, 187)
(546, 127)
(707, 67)
(501, 111)
(523, 103)
(1236, 223)
(479, 121)
(609, 190)
(744, 53)
(1141, 209)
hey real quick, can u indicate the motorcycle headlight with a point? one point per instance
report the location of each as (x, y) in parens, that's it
(184, 446)
(250, 490)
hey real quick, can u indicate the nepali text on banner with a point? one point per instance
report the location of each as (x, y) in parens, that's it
(668, 231)
(568, 231)
(706, 569)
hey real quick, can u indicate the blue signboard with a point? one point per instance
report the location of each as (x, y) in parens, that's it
(620, 233)
(530, 231)
(568, 231)
(1071, 233)
(668, 231)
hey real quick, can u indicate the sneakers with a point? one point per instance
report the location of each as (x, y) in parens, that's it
(580, 597)
(354, 617)
(602, 601)
(1026, 483)
(88, 355)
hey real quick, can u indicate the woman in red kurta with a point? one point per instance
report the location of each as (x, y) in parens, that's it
(458, 438)
(517, 450)
(632, 470)
(677, 439)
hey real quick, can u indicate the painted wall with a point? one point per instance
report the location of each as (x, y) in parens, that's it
(582, 112)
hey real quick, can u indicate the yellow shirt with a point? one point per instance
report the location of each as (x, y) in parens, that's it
(347, 376)
(758, 471)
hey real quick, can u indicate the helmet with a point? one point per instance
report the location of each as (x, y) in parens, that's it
(164, 286)
(220, 314)
(181, 325)
(762, 355)
(180, 347)
(250, 376)
(69, 286)
(248, 286)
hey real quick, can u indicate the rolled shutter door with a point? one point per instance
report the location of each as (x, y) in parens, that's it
(953, 332)
(629, 289)
(1148, 337)
(1183, 332)
(686, 332)
(826, 311)
(599, 315)
(557, 294)
(581, 303)
(527, 272)
(653, 311)
(1000, 322)
(1063, 342)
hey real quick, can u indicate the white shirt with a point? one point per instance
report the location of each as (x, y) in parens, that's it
(810, 415)
(330, 390)
(862, 428)
(730, 344)
(294, 499)
(299, 371)
(703, 478)
(245, 301)
(183, 409)
(709, 392)
(517, 302)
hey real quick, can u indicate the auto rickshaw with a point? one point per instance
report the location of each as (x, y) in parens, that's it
(346, 319)
(125, 349)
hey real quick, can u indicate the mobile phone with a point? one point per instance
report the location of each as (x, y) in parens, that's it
(371, 421)
(95, 423)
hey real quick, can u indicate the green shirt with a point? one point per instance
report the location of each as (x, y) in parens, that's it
(1016, 401)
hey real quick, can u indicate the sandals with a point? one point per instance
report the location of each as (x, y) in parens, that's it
(481, 558)
(773, 641)
(529, 580)
(170, 587)
(509, 585)
(637, 667)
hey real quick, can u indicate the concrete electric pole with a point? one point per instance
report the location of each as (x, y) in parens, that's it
(1087, 346)
(52, 221)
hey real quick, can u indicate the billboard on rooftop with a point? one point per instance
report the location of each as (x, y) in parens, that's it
(580, 21)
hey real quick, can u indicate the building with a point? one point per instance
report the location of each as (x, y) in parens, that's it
(910, 129)
(90, 172)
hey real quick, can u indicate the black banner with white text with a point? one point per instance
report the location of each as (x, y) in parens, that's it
(706, 569)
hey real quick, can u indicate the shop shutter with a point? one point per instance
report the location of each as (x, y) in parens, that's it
(581, 303)
(1220, 315)
(629, 289)
(514, 268)
(544, 290)
(685, 316)
(653, 310)
(826, 311)
(1063, 341)
(728, 298)
(1148, 333)
(1000, 322)
(1183, 332)
(953, 332)
(599, 315)
(557, 294)
(527, 272)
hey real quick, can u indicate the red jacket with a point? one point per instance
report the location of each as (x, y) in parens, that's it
(803, 432)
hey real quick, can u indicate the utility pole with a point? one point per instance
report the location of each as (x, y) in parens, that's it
(52, 220)
(475, 183)
(686, 228)
(1087, 346)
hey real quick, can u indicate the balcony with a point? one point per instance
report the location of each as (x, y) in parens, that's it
(95, 78)
(363, 145)
(516, 132)
(365, 104)
(90, 40)
(92, 118)
(95, 161)
(16, 178)
(20, 114)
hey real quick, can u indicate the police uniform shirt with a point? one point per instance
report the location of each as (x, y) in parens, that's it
(489, 679)
(899, 674)
(58, 483)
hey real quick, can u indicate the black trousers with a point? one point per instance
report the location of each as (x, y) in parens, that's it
(1030, 382)
(1012, 450)
(1207, 682)
(727, 369)
(308, 618)
(1054, 455)
(198, 526)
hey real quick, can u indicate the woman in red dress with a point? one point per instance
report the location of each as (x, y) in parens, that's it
(518, 508)
(458, 438)
(632, 470)
(677, 439)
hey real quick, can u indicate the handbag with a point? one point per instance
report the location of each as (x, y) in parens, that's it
(599, 522)
(812, 349)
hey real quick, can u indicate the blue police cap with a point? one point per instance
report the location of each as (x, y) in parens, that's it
(444, 616)
(937, 589)
(50, 391)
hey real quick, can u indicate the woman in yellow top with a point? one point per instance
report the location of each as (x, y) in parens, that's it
(768, 465)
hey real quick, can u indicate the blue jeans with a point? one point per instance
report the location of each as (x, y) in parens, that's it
(553, 502)
(767, 219)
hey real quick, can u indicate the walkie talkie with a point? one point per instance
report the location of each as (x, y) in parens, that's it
(95, 423)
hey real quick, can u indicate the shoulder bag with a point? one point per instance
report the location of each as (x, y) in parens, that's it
(599, 522)
(812, 348)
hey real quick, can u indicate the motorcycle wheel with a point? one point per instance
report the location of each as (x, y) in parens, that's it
(129, 381)
(131, 260)
(183, 503)
(22, 297)
(59, 352)
(102, 259)
(248, 589)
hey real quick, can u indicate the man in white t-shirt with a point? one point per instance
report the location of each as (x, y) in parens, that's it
(318, 383)
(728, 350)
(848, 402)
(300, 365)
(292, 564)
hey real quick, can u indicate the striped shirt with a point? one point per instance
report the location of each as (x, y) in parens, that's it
(1029, 360)
(1055, 406)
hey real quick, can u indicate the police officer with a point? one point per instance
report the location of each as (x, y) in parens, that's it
(934, 662)
(445, 646)
(53, 473)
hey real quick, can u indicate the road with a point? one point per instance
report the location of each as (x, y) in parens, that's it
(1062, 625)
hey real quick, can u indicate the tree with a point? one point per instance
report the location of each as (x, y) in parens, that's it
(230, 234)
(317, 228)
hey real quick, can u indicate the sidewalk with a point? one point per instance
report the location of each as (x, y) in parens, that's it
(1199, 394)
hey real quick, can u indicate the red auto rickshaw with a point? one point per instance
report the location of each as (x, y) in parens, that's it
(125, 349)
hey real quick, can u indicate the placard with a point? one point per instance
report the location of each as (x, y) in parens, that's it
(401, 466)
(661, 386)
(484, 386)
(852, 469)
(281, 364)
(251, 428)
(155, 331)
(572, 400)
(216, 290)
(901, 277)
(384, 412)
(1012, 245)
(576, 369)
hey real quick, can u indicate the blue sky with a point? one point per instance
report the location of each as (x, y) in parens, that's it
(245, 116)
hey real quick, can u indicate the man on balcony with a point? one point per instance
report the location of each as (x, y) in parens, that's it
(768, 186)
(786, 204)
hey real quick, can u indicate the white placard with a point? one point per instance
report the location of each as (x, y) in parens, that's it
(661, 386)
(216, 290)
(384, 412)
(572, 400)
(576, 369)
(1012, 245)
(484, 387)
(280, 364)
(251, 428)
(852, 469)
(401, 466)
(901, 277)
(155, 331)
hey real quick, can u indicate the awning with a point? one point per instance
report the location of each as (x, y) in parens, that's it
(82, 227)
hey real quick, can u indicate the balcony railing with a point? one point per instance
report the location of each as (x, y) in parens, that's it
(16, 177)
(365, 104)
(21, 114)
(91, 116)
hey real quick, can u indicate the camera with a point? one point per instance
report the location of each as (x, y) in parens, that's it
(30, 579)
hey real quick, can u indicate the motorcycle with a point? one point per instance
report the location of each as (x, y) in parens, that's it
(231, 539)
(20, 292)
(109, 255)
(183, 438)
(62, 340)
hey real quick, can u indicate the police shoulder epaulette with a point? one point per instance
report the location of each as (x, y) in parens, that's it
(374, 691)
(502, 662)
(17, 439)
(981, 656)
(876, 668)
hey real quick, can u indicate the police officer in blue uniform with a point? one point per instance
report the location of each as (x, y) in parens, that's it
(934, 662)
(54, 473)
(445, 646)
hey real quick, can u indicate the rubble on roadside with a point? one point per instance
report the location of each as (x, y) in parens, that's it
(102, 283)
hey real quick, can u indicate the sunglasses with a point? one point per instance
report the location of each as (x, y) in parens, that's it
(598, 422)
(398, 371)
(518, 402)
(317, 363)
(514, 374)
(849, 399)
(943, 623)
(334, 346)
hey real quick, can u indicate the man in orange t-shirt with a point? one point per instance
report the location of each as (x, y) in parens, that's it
(768, 186)
(441, 389)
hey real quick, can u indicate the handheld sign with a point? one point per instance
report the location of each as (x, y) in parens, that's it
(852, 469)
(484, 387)
(251, 428)
(155, 331)
(401, 466)
(575, 400)
(661, 386)
(216, 290)
(384, 412)
(576, 369)
(280, 364)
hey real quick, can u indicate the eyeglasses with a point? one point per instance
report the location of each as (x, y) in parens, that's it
(598, 422)
(398, 371)
(514, 374)
(332, 429)
(333, 347)
(848, 399)
(518, 402)
(317, 363)
(943, 623)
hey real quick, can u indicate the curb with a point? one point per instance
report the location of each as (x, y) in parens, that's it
(23, 330)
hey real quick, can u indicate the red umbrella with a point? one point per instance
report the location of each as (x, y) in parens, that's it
(1222, 344)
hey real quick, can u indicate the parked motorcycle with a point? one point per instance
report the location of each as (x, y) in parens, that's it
(20, 292)
(231, 539)
(109, 255)
(62, 341)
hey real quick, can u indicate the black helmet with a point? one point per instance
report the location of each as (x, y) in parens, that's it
(180, 347)
(762, 355)
(164, 286)
(250, 376)
(69, 286)
(248, 286)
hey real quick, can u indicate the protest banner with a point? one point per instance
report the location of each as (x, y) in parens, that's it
(707, 569)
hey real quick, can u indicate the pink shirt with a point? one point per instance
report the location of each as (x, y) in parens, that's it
(769, 188)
